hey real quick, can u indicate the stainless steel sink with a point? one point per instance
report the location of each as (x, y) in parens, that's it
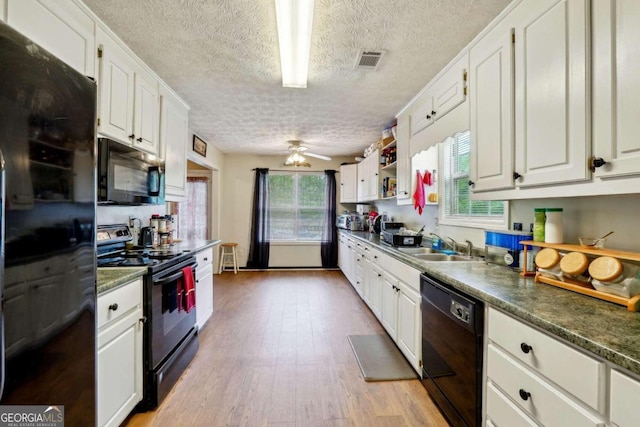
(444, 257)
(418, 251)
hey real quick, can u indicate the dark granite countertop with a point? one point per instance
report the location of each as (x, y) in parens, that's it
(606, 329)
(112, 277)
(196, 245)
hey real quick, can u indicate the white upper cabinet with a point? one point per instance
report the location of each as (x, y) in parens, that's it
(115, 111)
(129, 101)
(616, 97)
(403, 159)
(422, 115)
(349, 183)
(368, 171)
(551, 91)
(450, 90)
(491, 108)
(174, 135)
(60, 26)
(146, 107)
(441, 109)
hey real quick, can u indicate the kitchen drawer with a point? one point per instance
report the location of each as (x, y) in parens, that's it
(553, 359)
(126, 298)
(204, 257)
(503, 412)
(625, 397)
(548, 405)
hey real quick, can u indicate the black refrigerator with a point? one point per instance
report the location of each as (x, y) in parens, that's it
(47, 252)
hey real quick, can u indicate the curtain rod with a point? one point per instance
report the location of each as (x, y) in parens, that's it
(296, 170)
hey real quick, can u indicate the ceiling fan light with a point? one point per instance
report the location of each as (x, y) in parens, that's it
(296, 157)
(294, 19)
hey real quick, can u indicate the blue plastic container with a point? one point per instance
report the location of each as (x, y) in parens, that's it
(506, 239)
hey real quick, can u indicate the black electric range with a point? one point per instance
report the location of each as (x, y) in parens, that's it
(170, 333)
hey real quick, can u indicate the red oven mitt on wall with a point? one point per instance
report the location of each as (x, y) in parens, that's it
(418, 195)
(428, 178)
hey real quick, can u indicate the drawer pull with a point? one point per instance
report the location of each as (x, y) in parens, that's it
(526, 348)
(206, 259)
(143, 319)
(113, 307)
(524, 395)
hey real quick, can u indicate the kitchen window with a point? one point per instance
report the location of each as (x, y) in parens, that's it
(193, 214)
(297, 202)
(458, 208)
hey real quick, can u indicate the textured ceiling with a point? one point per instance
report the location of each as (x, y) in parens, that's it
(221, 56)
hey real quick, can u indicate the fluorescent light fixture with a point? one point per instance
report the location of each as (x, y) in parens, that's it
(294, 19)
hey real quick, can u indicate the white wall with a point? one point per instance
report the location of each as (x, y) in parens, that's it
(214, 159)
(236, 201)
(582, 216)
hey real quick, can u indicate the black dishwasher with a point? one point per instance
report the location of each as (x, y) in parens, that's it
(452, 330)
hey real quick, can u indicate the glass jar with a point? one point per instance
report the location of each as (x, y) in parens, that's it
(548, 263)
(538, 225)
(553, 225)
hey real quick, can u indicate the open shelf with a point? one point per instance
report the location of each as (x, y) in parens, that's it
(632, 304)
(389, 166)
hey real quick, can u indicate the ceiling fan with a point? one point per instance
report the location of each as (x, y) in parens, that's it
(295, 157)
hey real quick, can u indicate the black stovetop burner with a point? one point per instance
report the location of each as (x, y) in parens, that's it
(112, 251)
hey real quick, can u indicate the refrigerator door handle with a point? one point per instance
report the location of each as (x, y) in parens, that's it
(2, 239)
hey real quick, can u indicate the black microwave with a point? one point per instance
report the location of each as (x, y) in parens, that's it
(127, 176)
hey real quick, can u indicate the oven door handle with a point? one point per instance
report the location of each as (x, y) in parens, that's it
(173, 277)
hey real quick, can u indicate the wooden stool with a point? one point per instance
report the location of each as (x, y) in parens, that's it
(228, 256)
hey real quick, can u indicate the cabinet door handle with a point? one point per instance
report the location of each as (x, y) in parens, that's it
(433, 113)
(379, 275)
(428, 116)
(596, 162)
(471, 183)
(526, 348)
(143, 319)
(113, 307)
(139, 139)
(524, 395)
(206, 259)
(516, 176)
(132, 136)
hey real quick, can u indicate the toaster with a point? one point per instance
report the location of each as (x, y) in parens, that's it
(351, 222)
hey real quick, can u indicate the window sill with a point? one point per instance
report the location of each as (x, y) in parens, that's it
(295, 243)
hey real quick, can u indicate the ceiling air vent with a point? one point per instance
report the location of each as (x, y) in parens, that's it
(368, 59)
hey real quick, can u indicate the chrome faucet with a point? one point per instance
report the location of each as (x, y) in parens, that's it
(469, 247)
(451, 242)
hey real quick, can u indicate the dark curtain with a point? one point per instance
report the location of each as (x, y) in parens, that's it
(329, 245)
(259, 248)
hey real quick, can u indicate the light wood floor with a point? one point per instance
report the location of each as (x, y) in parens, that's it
(275, 353)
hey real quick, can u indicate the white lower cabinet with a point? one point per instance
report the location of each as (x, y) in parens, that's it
(530, 372)
(624, 399)
(503, 411)
(204, 286)
(375, 290)
(409, 323)
(393, 298)
(120, 359)
(389, 311)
